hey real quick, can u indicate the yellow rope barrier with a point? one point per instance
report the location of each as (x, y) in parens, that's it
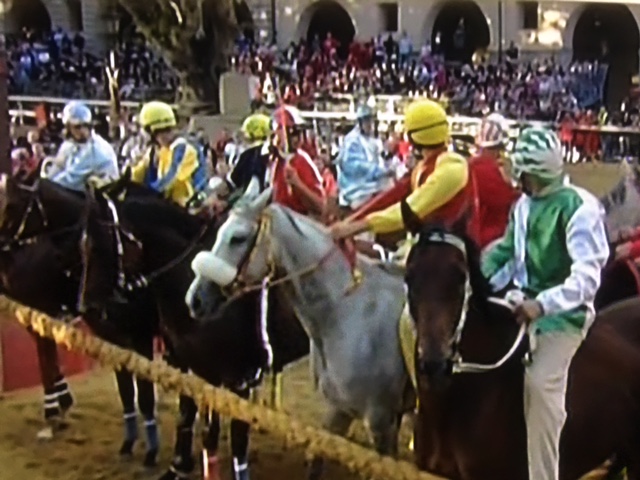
(362, 461)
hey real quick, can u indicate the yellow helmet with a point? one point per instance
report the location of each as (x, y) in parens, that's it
(156, 116)
(426, 124)
(256, 127)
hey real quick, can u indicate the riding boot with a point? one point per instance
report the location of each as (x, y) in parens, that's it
(130, 434)
(153, 442)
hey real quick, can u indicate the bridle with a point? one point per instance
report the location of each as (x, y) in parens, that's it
(122, 234)
(241, 286)
(35, 206)
(458, 364)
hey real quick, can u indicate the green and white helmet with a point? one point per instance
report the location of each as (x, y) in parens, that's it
(538, 152)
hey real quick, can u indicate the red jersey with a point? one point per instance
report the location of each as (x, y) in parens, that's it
(493, 199)
(309, 175)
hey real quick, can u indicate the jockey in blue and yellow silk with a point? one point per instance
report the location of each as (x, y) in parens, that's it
(172, 164)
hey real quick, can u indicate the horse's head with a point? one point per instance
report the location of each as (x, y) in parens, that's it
(108, 252)
(236, 257)
(442, 274)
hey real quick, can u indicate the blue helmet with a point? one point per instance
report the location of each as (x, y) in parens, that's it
(76, 113)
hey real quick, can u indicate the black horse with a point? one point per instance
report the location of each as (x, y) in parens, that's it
(147, 244)
(40, 267)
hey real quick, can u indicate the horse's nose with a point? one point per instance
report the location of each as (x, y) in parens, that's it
(432, 368)
(195, 306)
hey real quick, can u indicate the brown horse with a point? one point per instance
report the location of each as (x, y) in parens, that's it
(40, 267)
(470, 422)
(150, 247)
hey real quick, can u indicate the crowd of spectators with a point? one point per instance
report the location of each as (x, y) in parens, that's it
(60, 64)
(520, 90)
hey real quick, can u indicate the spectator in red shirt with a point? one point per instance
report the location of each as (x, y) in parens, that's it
(494, 194)
(296, 181)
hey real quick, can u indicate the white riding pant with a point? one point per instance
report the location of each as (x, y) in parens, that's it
(545, 388)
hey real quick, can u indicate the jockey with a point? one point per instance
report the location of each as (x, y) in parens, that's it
(172, 165)
(553, 251)
(253, 162)
(494, 194)
(438, 187)
(84, 153)
(295, 178)
(361, 169)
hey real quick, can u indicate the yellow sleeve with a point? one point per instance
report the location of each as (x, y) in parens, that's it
(139, 170)
(188, 165)
(449, 177)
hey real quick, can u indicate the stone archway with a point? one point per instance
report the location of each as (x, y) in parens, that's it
(245, 19)
(460, 28)
(608, 33)
(30, 14)
(327, 16)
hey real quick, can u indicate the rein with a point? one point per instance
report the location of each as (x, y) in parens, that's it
(143, 281)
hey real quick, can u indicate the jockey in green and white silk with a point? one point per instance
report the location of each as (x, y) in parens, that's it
(553, 251)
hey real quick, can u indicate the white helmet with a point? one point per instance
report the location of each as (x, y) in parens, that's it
(493, 131)
(538, 152)
(76, 113)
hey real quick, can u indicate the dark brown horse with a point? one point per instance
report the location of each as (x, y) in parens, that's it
(471, 425)
(162, 240)
(40, 267)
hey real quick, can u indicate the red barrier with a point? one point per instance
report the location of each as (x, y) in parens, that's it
(19, 359)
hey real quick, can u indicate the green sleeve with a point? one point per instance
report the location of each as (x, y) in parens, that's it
(498, 263)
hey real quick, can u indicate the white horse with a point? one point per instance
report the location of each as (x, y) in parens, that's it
(356, 354)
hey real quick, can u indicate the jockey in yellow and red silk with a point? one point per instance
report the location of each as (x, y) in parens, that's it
(172, 165)
(295, 178)
(438, 188)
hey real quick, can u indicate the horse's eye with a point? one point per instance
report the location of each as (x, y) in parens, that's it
(237, 240)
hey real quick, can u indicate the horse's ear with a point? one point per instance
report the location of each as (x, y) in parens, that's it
(126, 174)
(253, 189)
(261, 202)
(411, 221)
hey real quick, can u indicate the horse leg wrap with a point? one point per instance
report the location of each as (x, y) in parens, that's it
(240, 469)
(153, 442)
(130, 433)
(210, 466)
(65, 399)
(276, 391)
(51, 405)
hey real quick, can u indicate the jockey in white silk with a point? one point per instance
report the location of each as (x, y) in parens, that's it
(362, 172)
(554, 251)
(84, 153)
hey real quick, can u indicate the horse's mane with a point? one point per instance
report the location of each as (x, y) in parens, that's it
(161, 213)
(72, 195)
(481, 290)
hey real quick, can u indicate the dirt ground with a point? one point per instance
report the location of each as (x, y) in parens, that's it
(88, 449)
